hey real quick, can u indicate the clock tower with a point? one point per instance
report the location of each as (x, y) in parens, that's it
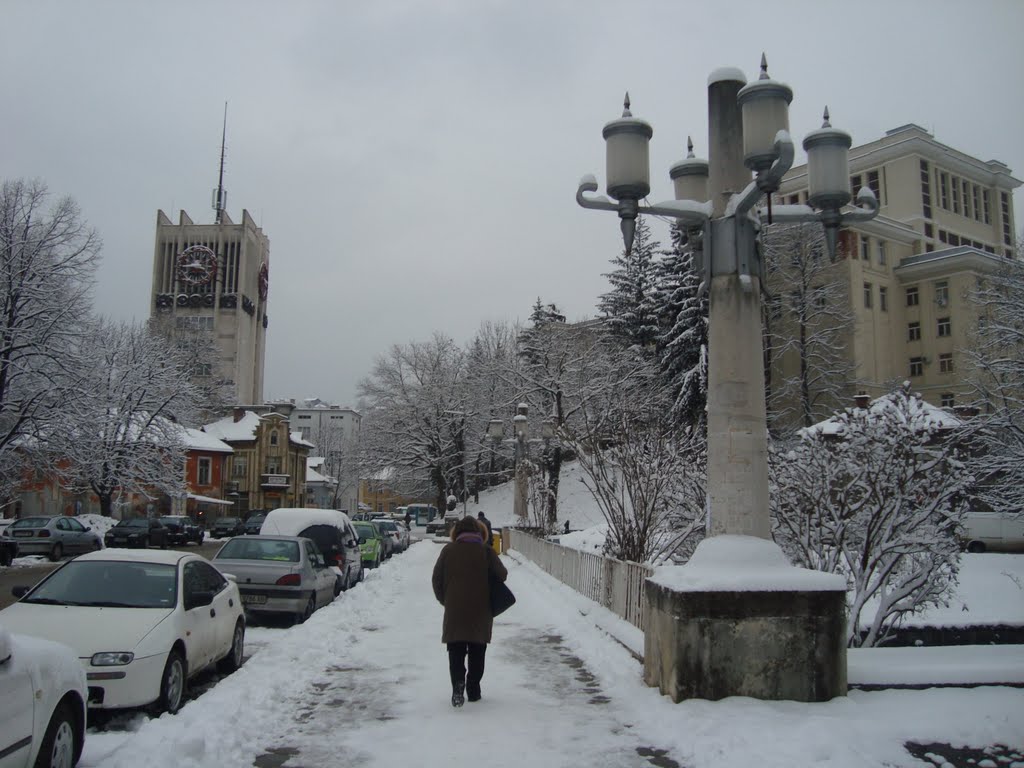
(213, 280)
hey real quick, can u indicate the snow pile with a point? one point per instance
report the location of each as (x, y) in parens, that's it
(742, 564)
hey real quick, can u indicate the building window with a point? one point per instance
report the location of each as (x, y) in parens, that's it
(912, 296)
(867, 295)
(204, 471)
(967, 197)
(945, 328)
(974, 198)
(883, 298)
(273, 437)
(305, 418)
(273, 465)
(946, 400)
(1004, 205)
(239, 467)
(929, 230)
(985, 206)
(942, 293)
(943, 184)
(865, 249)
(956, 195)
(946, 362)
(874, 186)
(881, 253)
(914, 332)
(856, 184)
(926, 192)
(917, 366)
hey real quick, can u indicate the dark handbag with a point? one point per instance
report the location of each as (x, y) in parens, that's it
(501, 596)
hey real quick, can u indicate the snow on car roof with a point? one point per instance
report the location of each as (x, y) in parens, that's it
(290, 520)
(169, 557)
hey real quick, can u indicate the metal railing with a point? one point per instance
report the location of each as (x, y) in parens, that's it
(617, 585)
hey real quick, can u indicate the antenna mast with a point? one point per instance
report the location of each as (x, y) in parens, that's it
(220, 195)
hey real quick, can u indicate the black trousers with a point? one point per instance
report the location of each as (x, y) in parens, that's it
(457, 653)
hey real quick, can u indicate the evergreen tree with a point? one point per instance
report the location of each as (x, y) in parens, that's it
(682, 344)
(629, 307)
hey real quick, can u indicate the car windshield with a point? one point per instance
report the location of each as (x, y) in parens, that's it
(387, 525)
(138, 522)
(365, 531)
(227, 521)
(109, 584)
(249, 548)
(30, 522)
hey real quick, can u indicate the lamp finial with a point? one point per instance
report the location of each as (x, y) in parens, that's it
(825, 117)
(689, 147)
(764, 68)
(625, 106)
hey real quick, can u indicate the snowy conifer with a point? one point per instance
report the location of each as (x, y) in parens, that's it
(629, 307)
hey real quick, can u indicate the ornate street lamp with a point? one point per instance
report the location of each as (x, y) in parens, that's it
(755, 654)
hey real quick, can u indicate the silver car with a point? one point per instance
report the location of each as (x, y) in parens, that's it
(53, 536)
(278, 574)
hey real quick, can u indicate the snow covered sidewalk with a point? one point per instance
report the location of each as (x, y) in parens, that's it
(365, 682)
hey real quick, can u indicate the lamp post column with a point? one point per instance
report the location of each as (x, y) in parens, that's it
(737, 474)
(519, 427)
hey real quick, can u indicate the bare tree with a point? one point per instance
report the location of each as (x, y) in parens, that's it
(808, 324)
(415, 416)
(995, 359)
(645, 481)
(877, 495)
(199, 354)
(48, 258)
(122, 434)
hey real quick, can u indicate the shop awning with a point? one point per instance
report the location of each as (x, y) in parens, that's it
(210, 500)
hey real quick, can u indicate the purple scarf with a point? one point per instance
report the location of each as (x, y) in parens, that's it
(474, 538)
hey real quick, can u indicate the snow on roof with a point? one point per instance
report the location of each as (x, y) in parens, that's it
(923, 415)
(198, 440)
(228, 429)
(313, 476)
(288, 521)
(730, 563)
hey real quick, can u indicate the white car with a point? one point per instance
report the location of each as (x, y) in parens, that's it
(141, 622)
(42, 709)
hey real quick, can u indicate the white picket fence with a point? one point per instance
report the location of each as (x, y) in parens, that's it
(617, 585)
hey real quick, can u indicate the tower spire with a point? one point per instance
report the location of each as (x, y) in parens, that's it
(220, 195)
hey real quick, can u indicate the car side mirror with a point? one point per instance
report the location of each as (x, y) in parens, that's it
(198, 600)
(20, 592)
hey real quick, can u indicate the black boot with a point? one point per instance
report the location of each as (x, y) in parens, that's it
(458, 699)
(473, 692)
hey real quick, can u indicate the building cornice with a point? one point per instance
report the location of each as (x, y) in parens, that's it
(946, 262)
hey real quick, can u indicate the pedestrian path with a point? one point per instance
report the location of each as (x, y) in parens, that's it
(365, 682)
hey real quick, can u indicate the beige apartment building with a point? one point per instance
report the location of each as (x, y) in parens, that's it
(213, 279)
(946, 220)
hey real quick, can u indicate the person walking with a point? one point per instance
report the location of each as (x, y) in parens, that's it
(461, 582)
(489, 539)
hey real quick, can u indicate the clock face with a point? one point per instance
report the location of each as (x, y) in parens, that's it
(196, 265)
(264, 280)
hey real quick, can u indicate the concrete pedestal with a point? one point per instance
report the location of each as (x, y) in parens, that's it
(779, 645)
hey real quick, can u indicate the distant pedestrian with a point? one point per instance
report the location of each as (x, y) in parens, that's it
(461, 582)
(567, 526)
(489, 539)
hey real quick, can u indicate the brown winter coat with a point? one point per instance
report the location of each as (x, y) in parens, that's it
(461, 585)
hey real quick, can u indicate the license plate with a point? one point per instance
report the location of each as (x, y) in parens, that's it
(254, 599)
(23, 534)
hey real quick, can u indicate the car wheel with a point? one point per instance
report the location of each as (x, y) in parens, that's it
(61, 744)
(172, 684)
(144, 543)
(310, 607)
(233, 660)
(6, 557)
(57, 552)
(976, 547)
(163, 543)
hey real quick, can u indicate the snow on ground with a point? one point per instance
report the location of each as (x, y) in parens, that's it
(365, 681)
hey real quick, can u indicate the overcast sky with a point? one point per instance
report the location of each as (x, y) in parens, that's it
(414, 164)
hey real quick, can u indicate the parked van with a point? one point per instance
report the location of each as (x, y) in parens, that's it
(993, 532)
(330, 530)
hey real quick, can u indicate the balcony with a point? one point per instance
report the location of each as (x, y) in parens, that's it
(275, 482)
